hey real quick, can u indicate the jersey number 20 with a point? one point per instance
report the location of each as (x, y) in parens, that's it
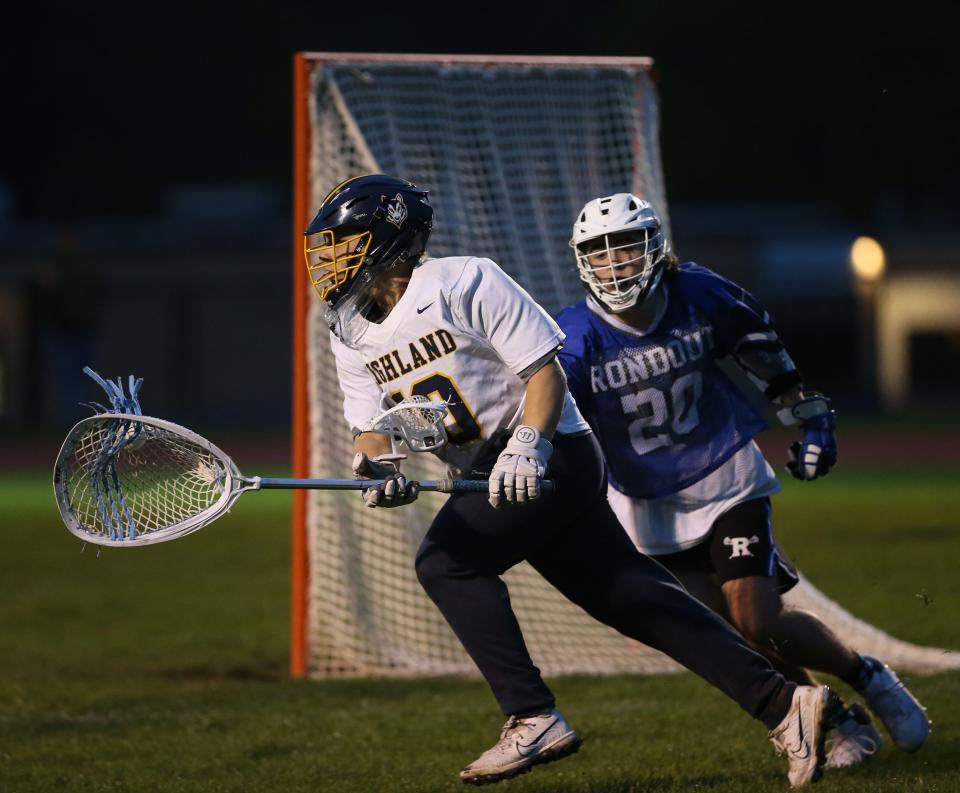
(663, 412)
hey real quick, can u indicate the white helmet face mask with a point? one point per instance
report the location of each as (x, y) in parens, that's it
(620, 248)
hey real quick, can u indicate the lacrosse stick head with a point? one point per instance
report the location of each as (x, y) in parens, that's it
(123, 479)
(417, 421)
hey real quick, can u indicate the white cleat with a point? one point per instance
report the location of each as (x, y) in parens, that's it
(802, 733)
(524, 743)
(853, 739)
(891, 702)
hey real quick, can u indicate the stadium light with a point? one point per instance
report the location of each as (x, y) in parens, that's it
(867, 259)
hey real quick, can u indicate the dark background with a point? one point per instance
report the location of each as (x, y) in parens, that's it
(851, 104)
(838, 116)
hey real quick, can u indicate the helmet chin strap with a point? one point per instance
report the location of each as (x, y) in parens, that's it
(642, 314)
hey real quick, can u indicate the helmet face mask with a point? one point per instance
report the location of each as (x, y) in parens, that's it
(365, 226)
(334, 259)
(620, 250)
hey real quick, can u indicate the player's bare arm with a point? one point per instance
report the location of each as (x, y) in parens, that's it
(372, 444)
(544, 400)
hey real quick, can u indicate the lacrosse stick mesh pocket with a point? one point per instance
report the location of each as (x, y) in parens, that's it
(121, 481)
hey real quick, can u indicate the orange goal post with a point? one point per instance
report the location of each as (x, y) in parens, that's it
(510, 148)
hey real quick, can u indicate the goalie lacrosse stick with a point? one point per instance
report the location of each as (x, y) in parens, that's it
(124, 479)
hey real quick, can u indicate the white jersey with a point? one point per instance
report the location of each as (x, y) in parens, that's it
(463, 332)
(681, 520)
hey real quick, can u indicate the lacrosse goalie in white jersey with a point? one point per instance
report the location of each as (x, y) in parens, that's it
(460, 330)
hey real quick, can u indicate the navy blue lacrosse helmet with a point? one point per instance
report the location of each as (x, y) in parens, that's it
(365, 226)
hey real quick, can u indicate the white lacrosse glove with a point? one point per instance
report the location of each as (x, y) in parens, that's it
(516, 477)
(395, 491)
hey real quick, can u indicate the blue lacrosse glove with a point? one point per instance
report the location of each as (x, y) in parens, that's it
(816, 453)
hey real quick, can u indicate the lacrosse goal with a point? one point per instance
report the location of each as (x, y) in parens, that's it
(510, 148)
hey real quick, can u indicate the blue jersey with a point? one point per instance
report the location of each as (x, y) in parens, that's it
(663, 411)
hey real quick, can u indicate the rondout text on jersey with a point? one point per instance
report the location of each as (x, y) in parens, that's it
(655, 360)
(397, 363)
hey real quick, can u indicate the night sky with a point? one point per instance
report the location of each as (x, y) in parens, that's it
(847, 104)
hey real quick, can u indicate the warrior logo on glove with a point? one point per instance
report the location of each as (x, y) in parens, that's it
(526, 435)
(517, 476)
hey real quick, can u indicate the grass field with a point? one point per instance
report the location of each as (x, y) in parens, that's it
(164, 668)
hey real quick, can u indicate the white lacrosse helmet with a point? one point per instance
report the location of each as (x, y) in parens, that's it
(620, 248)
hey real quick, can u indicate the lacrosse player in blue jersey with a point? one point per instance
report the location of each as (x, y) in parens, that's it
(459, 327)
(644, 358)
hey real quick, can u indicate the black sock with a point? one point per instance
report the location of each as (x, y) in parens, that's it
(860, 676)
(777, 710)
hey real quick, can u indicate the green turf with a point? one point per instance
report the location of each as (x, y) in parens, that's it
(164, 668)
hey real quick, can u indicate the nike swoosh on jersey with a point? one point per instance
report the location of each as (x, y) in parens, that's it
(420, 309)
(526, 749)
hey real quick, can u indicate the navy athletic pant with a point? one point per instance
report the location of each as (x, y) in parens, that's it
(573, 539)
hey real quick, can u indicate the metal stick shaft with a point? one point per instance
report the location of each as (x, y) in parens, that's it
(440, 485)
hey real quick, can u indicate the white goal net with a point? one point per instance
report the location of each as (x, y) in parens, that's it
(510, 149)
